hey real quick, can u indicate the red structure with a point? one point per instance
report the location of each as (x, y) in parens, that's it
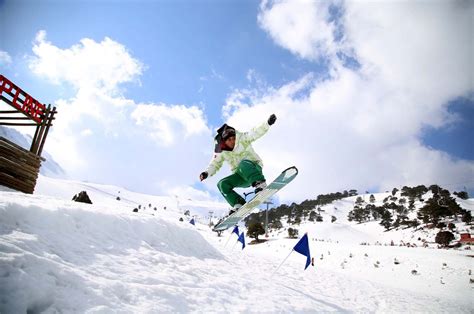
(19, 167)
(466, 238)
(20, 100)
(27, 112)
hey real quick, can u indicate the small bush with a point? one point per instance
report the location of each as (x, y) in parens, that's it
(255, 229)
(292, 233)
(466, 217)
(444, 237)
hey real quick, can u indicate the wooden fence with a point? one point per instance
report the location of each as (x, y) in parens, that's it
(19, 167)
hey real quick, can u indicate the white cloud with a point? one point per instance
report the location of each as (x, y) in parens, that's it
(169, 124)
(103, 65)
(87, 132)
(101, 136)
(337, 145)
(421, 48)
(352, 129)
(362, 128)
(242, 99)
(300, 26)
(5, 58)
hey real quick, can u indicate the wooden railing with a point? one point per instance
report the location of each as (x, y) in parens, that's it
(19, 168)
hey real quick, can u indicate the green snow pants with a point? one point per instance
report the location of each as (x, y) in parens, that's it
(247, 173)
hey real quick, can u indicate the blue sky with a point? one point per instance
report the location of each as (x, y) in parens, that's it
(207, 46)
(366, 101)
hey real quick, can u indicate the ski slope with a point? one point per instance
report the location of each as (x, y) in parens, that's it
(61, 256)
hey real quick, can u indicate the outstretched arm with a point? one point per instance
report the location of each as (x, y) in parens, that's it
(259, 131)
(215, 164)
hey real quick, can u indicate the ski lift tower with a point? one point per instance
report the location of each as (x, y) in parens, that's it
(266, 217)
(210, 217)
(19, 167)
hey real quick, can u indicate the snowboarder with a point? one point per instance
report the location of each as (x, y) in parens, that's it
(236, 148)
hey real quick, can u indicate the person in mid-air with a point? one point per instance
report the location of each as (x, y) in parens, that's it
(236, 148)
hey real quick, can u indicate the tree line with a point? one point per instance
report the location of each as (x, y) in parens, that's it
(393, 213)
(395, 210)
(309, 209)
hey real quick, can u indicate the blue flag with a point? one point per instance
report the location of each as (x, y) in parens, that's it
(242, 240)
(302, 247)
(236, 230)
(192, 222)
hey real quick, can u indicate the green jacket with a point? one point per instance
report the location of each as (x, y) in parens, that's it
(242, 150)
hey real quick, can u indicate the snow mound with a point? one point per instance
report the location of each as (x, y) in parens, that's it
(51, 248)
(60, 256)
(108, 194)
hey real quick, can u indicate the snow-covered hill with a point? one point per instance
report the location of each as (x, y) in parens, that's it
(57, 255)
(370, 232)
(108, 194)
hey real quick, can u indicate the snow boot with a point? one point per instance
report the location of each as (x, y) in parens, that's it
(234, 209)
(259, 186)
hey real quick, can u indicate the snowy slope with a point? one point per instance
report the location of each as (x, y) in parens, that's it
(74, 257)
(370, 232)
(107, 194)
(61, 256)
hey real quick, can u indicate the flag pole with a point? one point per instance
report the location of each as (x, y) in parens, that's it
(228, 239)
(281, 264)
(233, 246)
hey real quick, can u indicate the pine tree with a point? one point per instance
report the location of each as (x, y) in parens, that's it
(439, 206)
(444, 237)
(352, 192)
(276, 224)
(359, 201)
(377, 212)
(372, 198)
(255, 229)
(292, 233)
(462, 195)
(466, 216)
(386, 219)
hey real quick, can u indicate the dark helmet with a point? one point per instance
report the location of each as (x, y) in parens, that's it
(228, 133)
(223, 133)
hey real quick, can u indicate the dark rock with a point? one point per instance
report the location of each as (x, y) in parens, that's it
(82, 197)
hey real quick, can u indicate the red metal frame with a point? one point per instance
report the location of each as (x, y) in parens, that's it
(22, 101)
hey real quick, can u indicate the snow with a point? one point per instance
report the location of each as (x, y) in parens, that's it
(57, 255)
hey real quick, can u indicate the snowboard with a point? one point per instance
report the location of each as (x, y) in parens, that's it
(281, 181)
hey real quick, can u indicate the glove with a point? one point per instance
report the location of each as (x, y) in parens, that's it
(203, 175)
(272, 119)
